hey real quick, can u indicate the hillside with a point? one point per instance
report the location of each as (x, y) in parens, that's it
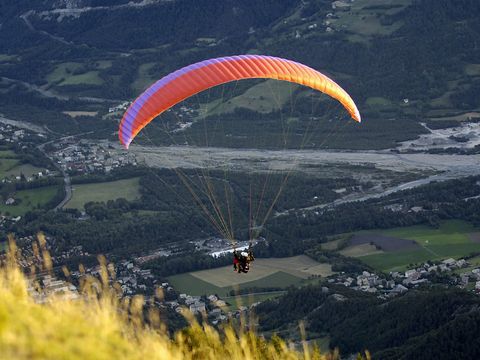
(98, 326)
(435, 324)
(87, 55)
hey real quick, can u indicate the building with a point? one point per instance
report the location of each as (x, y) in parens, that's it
(197, 307)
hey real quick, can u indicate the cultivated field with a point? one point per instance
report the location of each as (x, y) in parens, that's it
(144, 79)
(281, 273)
(299, 266)
(190, 284)
(29, 199)
(25, 200)
(363, 20)
(72, 73)
(7, 165)
(10, 165)
(384, 242)
(452, 239)
(25, 169)
(84, 193)
(264, 97)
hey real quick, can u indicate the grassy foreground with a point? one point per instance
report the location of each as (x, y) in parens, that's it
(98, 326)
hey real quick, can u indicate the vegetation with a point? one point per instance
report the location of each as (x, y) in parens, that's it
(191, 284)
(28, 200)
(97, 325)
(401, 327)
(450, 239)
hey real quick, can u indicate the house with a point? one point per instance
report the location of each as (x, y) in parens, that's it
(449, 262)
(197, 307)
(212, 298)
(443, 267)
(461, 263)
(10, 201)
(410, 273)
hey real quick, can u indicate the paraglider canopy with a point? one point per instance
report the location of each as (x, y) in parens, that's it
(214, 193)
(203, 75)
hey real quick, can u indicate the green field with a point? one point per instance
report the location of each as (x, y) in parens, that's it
(360, 250)
(25, 169)
(189, 284)
(451, 239)
(363, 21)
(8, 161)
(7, 154)
(128, 189)
(11, 166)
(264, 97)
(378, 102)
(271, 272)
(28, 200)
(7, 165)
(143, 79)
(70, 73)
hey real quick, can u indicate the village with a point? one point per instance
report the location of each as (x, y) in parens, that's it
(84, 157)
(449, 271)
(129, 280)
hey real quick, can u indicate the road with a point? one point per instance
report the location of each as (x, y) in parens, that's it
(68, 191)
(66, 178)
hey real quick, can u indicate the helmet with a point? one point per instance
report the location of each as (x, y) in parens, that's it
(244, 254)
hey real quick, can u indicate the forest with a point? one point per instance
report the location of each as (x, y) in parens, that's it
(404, 327)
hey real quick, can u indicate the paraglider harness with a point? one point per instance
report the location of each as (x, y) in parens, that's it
(242, 260)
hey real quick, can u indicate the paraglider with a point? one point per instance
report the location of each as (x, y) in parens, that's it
(193, 79)
(242, 260)
(203, 75)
